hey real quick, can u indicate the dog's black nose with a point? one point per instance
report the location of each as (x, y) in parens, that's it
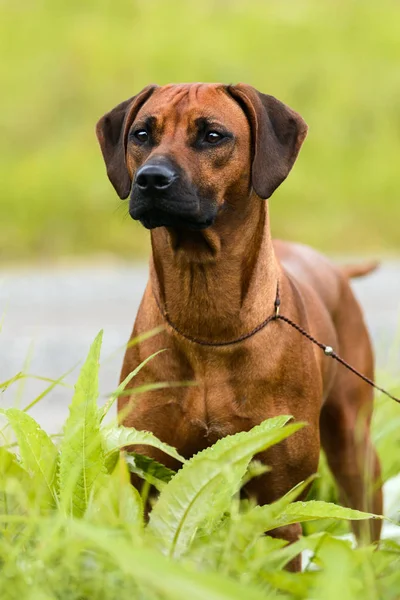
(154, 177)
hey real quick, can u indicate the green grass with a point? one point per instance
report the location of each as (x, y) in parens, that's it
(72, 526)
(66, 63)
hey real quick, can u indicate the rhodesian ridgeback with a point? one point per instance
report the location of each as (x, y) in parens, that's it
(198, 162)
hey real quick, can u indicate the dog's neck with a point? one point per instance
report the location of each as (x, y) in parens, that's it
(209, 281)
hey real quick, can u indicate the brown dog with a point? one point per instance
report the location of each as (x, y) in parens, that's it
(198, 162)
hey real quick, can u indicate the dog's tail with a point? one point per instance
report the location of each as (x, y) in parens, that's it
(361, 269)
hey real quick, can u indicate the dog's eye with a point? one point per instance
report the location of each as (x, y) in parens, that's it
(213, 137)
(141, 135)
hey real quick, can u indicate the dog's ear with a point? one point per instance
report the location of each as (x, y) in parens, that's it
(277, 135)
(112, 131)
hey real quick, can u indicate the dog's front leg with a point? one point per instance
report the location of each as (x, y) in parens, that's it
(291, 461)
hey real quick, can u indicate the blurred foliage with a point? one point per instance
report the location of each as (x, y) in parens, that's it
(66, 63)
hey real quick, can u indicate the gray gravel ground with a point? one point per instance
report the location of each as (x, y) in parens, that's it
(54, 314)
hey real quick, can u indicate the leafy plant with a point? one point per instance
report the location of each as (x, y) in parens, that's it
(73, 527)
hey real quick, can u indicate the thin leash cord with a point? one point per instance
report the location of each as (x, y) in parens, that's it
(276, 316)
(328, 350)
(201, 342)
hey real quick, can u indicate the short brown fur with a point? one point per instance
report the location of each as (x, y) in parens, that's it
(220, 282)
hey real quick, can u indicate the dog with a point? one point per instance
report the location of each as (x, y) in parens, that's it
(198, 162)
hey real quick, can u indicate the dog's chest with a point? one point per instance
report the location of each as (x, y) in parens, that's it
(233, 391)
(225, 403)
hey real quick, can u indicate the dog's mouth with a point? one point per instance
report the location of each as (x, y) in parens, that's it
(156, 217)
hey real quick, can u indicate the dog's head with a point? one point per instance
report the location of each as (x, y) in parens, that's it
(181, 152)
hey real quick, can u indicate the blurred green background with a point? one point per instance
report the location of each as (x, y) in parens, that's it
(65, 63)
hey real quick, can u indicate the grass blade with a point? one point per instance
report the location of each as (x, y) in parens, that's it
(170, 580)
(51, 387)
(118, 392)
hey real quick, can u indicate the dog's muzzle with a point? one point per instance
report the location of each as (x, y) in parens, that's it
(162, 196)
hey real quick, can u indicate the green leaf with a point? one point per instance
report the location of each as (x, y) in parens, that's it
(278, 558)
(10, 466)
(243, 529)
(117, 502)
(385, 431)
(284, 511)
(298, 585)
(82, 457)
(11, 469)
(255, 469)
(38, 452)
(116, 438)
(148, 469)
(299, 512)
(203, 487)
(339, 577)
